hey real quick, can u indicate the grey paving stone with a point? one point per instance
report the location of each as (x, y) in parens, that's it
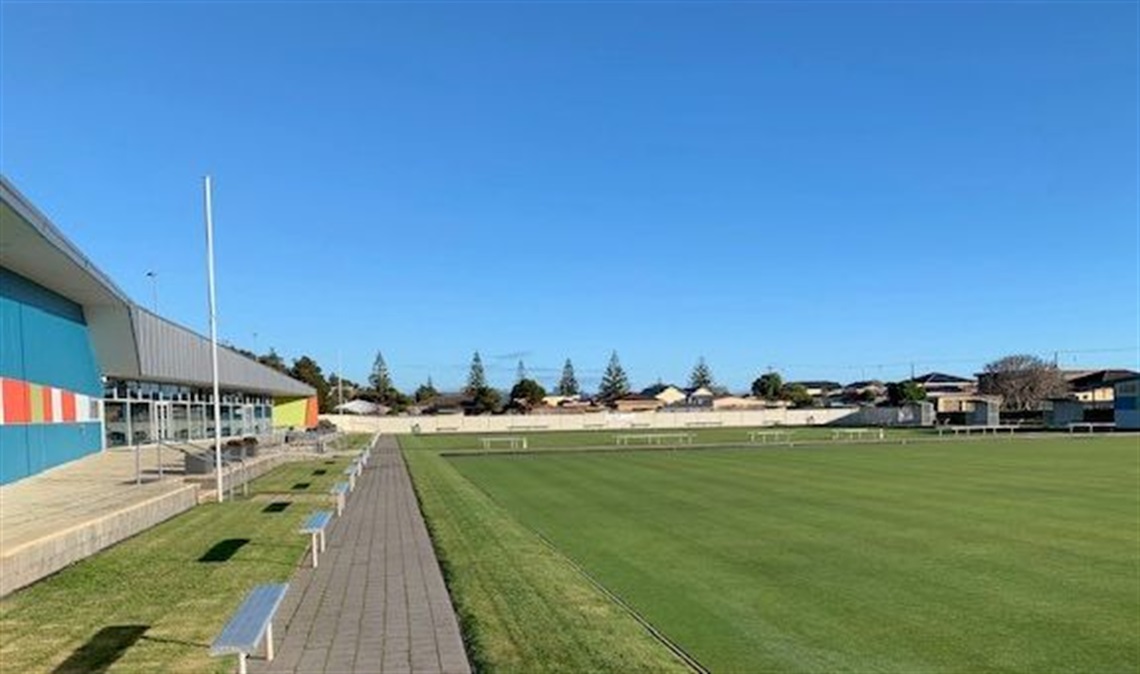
(377, 604)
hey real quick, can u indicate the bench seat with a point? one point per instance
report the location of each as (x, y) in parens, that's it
(252, 621)
(315, 526)
(340, 492)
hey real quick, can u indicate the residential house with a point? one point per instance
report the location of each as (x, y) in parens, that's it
(700, 397)
(949, 393)
(940, 382)
(821, 392)
(636, 402)
(731, 402)
(868, 392)
(666, 393)
(1098, 386)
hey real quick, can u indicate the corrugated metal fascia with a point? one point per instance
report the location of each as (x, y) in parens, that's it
(169, 352)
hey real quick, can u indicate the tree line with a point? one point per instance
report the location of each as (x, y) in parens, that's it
(1023, 381)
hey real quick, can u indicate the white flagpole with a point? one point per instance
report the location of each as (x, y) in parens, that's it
(214, 342)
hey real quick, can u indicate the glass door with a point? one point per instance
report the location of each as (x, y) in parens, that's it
(162, 426)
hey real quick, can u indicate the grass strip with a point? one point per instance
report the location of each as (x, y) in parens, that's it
(523, 606)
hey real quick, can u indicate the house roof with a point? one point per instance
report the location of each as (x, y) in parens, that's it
(817, 384)
(1101, 379)
(657, 389)
(866, 383)
(360, 407)
(940, 378)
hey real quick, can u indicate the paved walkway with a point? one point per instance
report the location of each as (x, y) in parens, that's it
(377, 604)
(81, 491)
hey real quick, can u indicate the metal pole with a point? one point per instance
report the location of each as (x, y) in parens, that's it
(153, 276)
(214, 340)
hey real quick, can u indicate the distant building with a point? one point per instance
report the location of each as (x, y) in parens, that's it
(666, 393)
(950, 402)
(1098, 385)
(1126, 403)
(821, 392)
(868, 392)
(949, 393)
(731, 402)
(636, 402)
(699, 397)
(940, 382)
(360, 407)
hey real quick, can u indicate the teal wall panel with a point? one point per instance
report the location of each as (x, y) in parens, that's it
(43, 338)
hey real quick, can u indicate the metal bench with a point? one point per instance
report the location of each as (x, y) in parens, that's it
(655, 438)
(511, 441)
(970, 430)
(250, 623)
(350, 473)
(1092, 426)
(842, 434)
(340, 492)
(765, 437)
(315, 527)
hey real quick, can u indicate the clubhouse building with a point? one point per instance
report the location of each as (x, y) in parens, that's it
(83, 368)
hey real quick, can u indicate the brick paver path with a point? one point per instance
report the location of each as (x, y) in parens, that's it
(377, 603)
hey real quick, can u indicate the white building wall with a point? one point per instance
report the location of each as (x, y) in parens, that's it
(456, 423)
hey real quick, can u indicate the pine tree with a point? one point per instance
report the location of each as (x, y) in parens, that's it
(615, 383)
(568, 384)
(273, 360)
(426, 392)
(381, 379)
(701, 376)
(477, 379)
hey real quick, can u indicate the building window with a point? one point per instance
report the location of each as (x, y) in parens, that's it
(116, 424)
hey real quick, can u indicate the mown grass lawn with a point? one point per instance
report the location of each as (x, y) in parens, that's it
(155, 602)
(523, 606)
(606, 439)
(995, 556)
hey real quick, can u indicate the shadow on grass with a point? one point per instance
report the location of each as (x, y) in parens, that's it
(276, 507)
(223, 550)
(101, 650)
(320, 471)
(302, 485)
(176, 642)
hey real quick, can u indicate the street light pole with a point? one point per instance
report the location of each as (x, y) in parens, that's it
(214, 340)
(153, 276)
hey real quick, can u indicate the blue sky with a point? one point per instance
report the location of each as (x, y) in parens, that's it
(836, 190)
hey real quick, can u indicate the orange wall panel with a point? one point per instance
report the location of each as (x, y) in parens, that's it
(17, 402)
(311, 413)
(68, 399)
